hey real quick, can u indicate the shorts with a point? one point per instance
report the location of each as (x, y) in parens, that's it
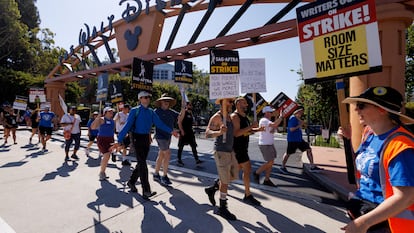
(242, 156)
(164, 144)
(227, 166)
(293, 146)
(104, 143)
(92, 137)
(268, 152)
(45, 130)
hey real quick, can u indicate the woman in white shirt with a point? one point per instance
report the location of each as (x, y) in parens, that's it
(71, 121)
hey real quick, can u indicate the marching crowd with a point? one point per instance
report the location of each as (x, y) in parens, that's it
(384, 201)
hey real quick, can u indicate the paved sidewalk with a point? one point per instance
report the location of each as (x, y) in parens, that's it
(334, 177)
(42, 193)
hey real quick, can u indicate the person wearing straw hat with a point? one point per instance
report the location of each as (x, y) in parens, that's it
(385, 163)
(169, 117)
(224, 156)
(106, 131)
(242, 131)
(140, 121)
(295, 141)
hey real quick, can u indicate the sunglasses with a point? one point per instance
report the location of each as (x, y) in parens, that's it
(361, 106)
(146, 97)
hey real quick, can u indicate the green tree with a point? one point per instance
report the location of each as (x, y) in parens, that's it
(409, 71)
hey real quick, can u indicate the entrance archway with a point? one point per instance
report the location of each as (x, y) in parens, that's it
(138, 34)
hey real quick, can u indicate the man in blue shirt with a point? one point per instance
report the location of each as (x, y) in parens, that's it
(295, 140)
(45, 126)
(140, 121)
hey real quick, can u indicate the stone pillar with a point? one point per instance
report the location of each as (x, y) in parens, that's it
(53, 89)
(393, 19)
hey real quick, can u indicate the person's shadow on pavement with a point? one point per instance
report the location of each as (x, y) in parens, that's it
(109, 195)
(62, 171)
(193, 215)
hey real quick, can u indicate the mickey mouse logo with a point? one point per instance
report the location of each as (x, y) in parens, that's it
(132, 39)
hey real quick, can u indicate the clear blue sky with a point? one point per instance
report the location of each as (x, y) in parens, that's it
(67, 17)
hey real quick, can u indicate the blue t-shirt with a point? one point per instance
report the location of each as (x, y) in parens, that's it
(295, 136)
(107, 129)
(46, 119)
(141, 122)
(93, 132)
(169, 117)
(401, 168)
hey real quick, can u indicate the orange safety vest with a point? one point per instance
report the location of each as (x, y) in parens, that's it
(398, 141)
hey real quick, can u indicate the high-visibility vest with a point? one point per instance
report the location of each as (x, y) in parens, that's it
(398, 141)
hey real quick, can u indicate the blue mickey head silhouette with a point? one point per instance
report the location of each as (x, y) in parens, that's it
(133, 38)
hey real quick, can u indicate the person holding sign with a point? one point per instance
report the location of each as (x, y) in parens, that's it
(140, 121)
(384, 201)
(242, 130)
(266, 144)
(224, 155)
(295, 140)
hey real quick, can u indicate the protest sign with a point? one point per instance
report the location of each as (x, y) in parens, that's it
(252, 75)
(20, 102)
(183, 72)
(284, 104)
(338, 39)
(142, 75)
(102, 91)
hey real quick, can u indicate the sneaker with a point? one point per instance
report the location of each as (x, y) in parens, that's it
(87, 151)
(165, 181)
(67, 158)
(157, 177)
(316, 169)
(102, 176)
(283, 170)
(147, 195)
(256, 177)
(251, 200)
(269, 183)
(132, 187)
(198, 161)
(126, 163)
(74, 157)
(113, 157)
(180, 163)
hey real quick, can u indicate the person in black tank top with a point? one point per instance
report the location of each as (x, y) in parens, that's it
(242, 130)
(185, 123)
